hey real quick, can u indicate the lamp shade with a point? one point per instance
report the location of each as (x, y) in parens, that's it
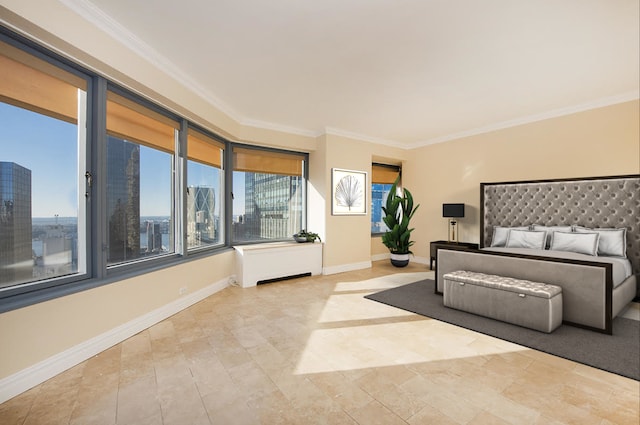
(453, 210)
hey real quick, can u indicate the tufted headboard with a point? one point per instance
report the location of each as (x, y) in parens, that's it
(589, 202)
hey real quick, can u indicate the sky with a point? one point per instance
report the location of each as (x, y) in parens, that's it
(48, 147)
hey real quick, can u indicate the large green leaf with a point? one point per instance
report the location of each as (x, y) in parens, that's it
(398, 211)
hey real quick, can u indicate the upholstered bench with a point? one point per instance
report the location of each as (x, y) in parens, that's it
(533, 305)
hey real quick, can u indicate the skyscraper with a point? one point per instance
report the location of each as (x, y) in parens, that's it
(154, 237)
(201, 223)
(273, 206)
(16, 255)
(123, 199)
(57, 251)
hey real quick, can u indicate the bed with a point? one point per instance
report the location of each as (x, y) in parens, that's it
(598, 274)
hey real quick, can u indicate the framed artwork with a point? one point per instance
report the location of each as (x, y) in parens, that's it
(348, 192)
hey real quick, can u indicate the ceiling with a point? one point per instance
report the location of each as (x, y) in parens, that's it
(399, 72)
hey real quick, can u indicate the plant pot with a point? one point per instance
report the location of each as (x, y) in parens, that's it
(400, 260)
(305, 236)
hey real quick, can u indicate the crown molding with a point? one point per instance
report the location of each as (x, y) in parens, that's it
(555, 113)
(379, 141)
(115, 30)
(278, 127)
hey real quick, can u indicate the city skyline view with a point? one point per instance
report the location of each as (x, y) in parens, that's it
(48, 147)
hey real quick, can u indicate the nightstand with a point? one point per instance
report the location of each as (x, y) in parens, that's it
(435, 245)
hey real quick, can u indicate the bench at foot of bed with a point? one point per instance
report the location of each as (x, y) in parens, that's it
(525, 303)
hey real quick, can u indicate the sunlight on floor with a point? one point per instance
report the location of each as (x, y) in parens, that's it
(382, 282)
(356, 333)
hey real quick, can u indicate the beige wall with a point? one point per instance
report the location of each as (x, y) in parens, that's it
(378, 249)
(348, 242)
(598, 142)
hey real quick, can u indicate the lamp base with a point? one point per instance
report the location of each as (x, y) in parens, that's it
(453, 235)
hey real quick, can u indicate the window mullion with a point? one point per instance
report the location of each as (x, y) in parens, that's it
(98, 171)
(228, 194)
(180, 183)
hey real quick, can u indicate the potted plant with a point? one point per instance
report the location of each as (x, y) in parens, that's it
(304, 236)
(398, 211)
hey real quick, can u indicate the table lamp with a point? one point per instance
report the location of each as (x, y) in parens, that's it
(452, 211)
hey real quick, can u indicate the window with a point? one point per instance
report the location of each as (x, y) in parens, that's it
(268, 194)
(42, 144)
(382, 178)
(204, 190)
(141, 146)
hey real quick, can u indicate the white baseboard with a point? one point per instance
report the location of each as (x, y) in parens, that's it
(34, 375)
(346, 267)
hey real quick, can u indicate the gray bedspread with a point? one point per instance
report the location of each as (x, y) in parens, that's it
(621, 265)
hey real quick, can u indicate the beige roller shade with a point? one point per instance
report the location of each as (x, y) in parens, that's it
(259, 161)
(31, 83)
(204, 149)
(384, 174)
(129, 120)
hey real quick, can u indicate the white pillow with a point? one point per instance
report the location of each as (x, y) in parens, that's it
(612, 242)
(525, 239)
(500, 234)
(582, 243)
(550, 230)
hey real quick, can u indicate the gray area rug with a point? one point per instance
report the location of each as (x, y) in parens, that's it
(618, 353)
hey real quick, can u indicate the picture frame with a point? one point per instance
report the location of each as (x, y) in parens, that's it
(348, 192)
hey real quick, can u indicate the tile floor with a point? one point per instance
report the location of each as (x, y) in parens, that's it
(314, 351)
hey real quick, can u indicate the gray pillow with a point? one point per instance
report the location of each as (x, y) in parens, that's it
(525, 239)
(582, 243)
(550, 230)
(500, 234)
(612, 242)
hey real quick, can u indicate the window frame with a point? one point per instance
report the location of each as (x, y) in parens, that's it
(84, 158)
(176, 188)
(396, 168)
(229, 190)
(203, 250)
